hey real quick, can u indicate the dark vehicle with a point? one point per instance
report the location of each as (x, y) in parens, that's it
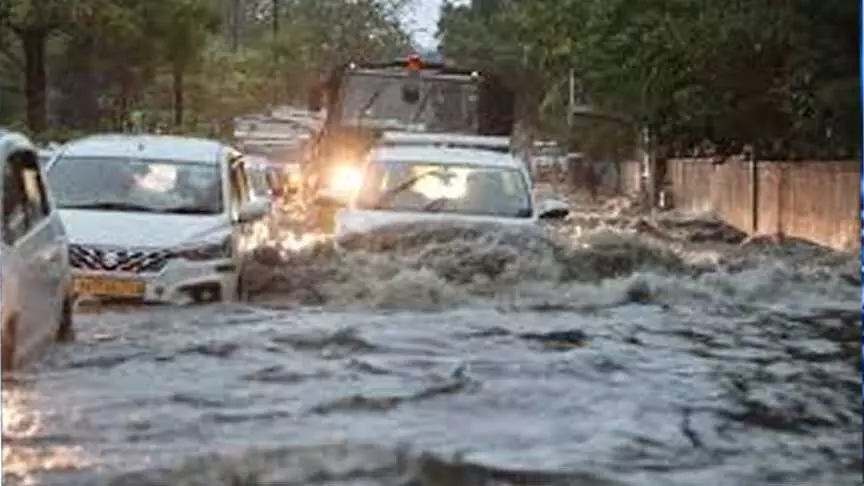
(363, 100)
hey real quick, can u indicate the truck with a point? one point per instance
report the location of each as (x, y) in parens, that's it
(363, 101)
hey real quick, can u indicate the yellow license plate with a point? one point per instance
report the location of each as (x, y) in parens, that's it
(109, 287)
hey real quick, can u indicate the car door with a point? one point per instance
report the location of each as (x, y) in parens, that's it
(51, 234)
(29, 232)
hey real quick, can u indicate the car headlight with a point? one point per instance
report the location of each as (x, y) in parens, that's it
(208, 251)
(345, 179)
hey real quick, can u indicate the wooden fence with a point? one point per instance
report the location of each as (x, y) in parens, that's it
(815, 201)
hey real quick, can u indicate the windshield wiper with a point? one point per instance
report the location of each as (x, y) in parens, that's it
(112, 206)
(389, 194)
(371, 101)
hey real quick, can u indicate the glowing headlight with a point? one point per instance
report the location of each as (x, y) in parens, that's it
(346, 179)
(211, 251)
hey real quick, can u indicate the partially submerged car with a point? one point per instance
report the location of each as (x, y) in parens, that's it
(156, 218)
(37, 298)
(402, 184)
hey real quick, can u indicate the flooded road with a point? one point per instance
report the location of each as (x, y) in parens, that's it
(612, 353)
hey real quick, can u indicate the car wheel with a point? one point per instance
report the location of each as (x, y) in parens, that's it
(66, 329)
(10, 331)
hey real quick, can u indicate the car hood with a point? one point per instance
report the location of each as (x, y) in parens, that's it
(114, 228)
(353, 221)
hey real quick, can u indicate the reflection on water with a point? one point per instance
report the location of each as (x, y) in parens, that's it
(27, 448)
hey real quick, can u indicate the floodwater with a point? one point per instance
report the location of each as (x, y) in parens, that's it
(605, 351)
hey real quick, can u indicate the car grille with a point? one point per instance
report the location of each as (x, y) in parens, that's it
(118, 260)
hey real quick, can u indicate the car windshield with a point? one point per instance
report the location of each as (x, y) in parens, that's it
(438, 104)
(445, 188)
(136, 185)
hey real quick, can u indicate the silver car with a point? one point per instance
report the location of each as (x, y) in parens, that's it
(36, 298)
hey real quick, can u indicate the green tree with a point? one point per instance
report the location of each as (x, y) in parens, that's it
(778, 76)
(98, 61)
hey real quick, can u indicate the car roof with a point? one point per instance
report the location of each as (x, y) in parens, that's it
(454, 139)
(448, 155)
(154, 147)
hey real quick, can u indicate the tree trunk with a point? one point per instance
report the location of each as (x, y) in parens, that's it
(236, 13)
(78, 84)
(33, 41)
(178, 73)
(123, 103)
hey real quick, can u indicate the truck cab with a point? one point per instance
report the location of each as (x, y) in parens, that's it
(363, 101)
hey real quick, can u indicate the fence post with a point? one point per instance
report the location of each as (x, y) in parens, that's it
(754, 194)
(781, 189)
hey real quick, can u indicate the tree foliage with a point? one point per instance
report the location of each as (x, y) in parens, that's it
(781, 77)
(91, 64)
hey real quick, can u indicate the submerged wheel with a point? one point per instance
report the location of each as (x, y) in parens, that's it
(9, 345)
(65, 328)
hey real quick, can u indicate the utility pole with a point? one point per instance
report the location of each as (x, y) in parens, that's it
(649, 170)
(571, 113)
(649, 159)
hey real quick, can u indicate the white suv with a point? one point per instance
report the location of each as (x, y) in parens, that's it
(36, 300)
(425, 183)
(156, 218)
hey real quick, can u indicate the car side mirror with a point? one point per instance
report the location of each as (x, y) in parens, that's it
(254, 210)
(553, 209)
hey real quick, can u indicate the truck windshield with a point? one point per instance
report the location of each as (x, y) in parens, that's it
(442, 103)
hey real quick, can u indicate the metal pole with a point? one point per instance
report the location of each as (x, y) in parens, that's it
(571, 98)
(563, 166)
(649, 170)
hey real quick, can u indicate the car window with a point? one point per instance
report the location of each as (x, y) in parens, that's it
(25, 203)
(36, 192)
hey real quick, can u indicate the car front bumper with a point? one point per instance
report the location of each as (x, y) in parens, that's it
(180, 282)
